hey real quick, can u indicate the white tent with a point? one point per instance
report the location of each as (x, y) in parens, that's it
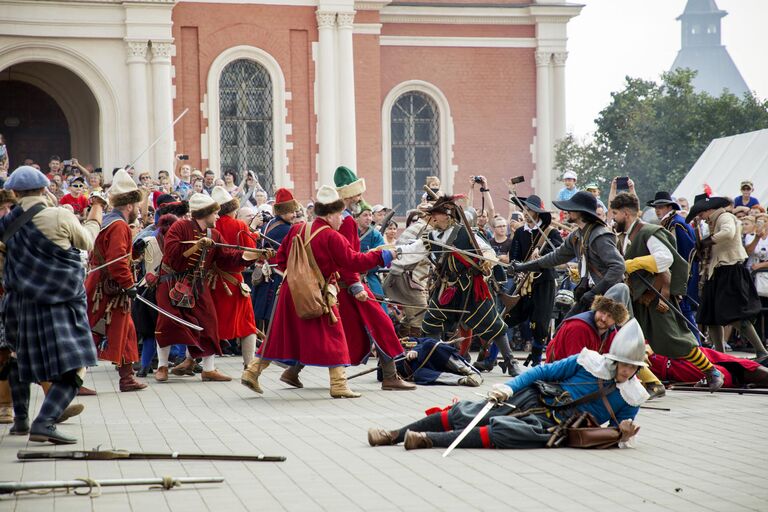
(725, 163)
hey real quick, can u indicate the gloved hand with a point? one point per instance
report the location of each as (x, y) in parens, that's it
(131, 292)
(706, 243)
(586, 300)
(388, 255)
(520, 266)
(362, 296)
(487, 267)
(628, 429)
(205, 242)
(500, 393)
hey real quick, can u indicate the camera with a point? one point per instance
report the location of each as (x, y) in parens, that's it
(517, 179)
(183, 157)
(477, 179)
(67, 163)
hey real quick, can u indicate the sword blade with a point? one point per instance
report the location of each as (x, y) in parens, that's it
(468, 428)
(387, 301)
(467, 253)
(105, 265)
(169, 315)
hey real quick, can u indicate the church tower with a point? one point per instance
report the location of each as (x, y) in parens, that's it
(702, 50)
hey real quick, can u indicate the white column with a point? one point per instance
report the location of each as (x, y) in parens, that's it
(137, 93)
(326, 97)
(163, 105)
(558, 106)
(543, 127)
(346, 88)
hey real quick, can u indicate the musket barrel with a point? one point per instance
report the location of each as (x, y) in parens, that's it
(11, 487)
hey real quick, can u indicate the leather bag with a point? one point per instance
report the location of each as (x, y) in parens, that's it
(306, 282)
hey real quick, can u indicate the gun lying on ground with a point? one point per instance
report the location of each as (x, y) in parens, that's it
(94, 486)
(96, 454)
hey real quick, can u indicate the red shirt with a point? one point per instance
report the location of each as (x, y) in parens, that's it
(78, 203)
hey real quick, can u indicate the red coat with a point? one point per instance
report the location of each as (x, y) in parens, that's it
(233, 309)
(121, 346)
(575, 334)
(169, 332)
(680, 370)
(315, 342)
(364, 322)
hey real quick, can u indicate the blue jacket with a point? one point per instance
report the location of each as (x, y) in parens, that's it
(573, 378)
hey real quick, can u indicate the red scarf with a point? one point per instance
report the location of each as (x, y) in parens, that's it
(479, 286)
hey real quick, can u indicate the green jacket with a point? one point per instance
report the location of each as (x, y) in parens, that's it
(639, 247)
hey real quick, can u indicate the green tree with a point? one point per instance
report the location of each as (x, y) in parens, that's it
(655, 132)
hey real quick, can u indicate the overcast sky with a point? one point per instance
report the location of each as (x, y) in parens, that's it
(611, 39)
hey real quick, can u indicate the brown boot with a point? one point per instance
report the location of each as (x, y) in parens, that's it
(250, 376)
(161, 374)
(291, 376)
(215, 376)
(185, 368)
(381, 437)
(392, 381)
(417, 440)
(339, 388)
(70, 411)
(84, 391)
(127, 380)
(6, 403)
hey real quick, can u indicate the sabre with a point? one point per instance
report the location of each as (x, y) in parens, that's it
(94, 269)
(157, 139)
(169, 315)
(446, 310)
(472, 424)
(229, 246)
(670, 305)
(467, 253)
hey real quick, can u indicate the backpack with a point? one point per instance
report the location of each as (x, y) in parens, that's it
(306, 282)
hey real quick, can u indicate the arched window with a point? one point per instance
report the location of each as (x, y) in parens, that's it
(415, 147)
(245, 116)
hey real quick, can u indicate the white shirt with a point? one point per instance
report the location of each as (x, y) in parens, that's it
(656, 248)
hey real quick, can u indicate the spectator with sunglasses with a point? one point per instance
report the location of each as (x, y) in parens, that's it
(75, 197)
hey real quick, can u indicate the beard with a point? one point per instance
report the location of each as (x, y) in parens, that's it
(355, 208)
(132, 216)
(620, 226)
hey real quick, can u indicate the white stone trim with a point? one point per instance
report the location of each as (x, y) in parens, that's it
(289, 3)
(465, 15)
(460, 42)
(111, 125)
(279, 110)
(367, 28)
(447, 137)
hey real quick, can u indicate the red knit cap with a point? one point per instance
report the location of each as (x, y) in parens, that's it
(283, 195)
(284, 202)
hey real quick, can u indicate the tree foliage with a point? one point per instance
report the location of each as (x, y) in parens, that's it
(655, 132)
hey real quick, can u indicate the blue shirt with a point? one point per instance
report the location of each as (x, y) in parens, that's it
(575, 379)
(566, 194)
(738, 201)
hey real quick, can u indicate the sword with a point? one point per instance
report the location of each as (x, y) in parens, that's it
(472, 424)
(387, 301)
(169, 315)
(229, 246)
(157, 139)
(467, 253)
(94, 269)
(670, 305)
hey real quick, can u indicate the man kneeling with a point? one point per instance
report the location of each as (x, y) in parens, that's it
(534, 410)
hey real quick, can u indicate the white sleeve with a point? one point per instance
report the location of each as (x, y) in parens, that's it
(663, 256)
(412, 253)
(485, 249)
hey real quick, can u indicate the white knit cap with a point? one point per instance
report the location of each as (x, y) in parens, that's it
(220, 195)
(327, 195)
(123, 189)
(199, 201)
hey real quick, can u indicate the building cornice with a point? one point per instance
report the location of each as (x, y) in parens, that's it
(479, 15)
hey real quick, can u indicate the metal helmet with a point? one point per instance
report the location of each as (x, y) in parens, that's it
(628, 345)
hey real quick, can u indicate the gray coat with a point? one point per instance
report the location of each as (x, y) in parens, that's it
(604, 261)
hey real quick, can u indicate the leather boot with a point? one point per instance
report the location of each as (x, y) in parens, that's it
(714, 379)
(417, 440)
(215, 376)
(511, 367)
(472, 380)
(391, 380)
(161, 374)
(71, 411)
(381, 437)
(20, 426)
(655, 390)
(84, 391)
(187, 367)
(339, 388)
(50, 434)
(6, 404)
(127, 381)
(250, 376)
(291, 376)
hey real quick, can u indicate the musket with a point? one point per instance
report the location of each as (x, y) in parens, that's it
(94, 269)
(157, 139)
(669, 304)
(166, 482)
(467, 253)
(385, 220)
(229, 246)
(739, 391)
(169, 315)
(96, 454)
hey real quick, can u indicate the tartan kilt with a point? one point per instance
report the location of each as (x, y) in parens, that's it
(50, 339)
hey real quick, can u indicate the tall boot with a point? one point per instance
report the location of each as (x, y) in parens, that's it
(59, 396)
(435, 422)
(339, 388)
(291, 376)
(127, 381)
(20, 396)
(391, 381)
(6, 404)
(250, 376)
(510, 364)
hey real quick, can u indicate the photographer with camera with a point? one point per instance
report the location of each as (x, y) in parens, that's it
(486, 210)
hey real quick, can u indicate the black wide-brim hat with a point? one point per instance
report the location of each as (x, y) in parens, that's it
(663, 199)
(536, 205)
(703, 203)
(581, 201)
(444, 204)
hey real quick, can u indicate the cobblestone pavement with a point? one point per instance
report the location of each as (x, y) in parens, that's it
(707, 453)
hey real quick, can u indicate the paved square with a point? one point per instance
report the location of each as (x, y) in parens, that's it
(707, 453)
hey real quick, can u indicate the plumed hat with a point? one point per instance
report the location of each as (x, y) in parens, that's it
(347, 183)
